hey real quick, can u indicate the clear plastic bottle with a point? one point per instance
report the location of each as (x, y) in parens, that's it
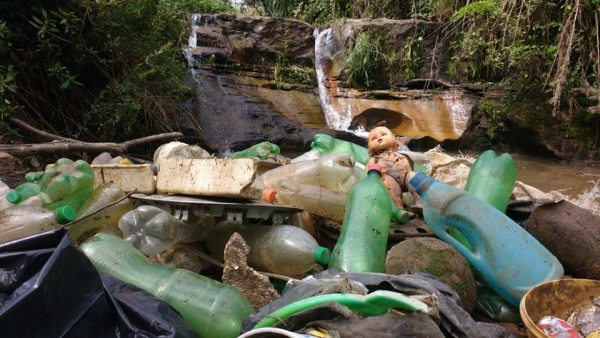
(66, 183)
(282, 249)
(314, 199)
(508, 258)
(152, 230)
(211, 308)
(23, 221)
(107, 217)
(362, 244)
(335, 172)
(4, 190)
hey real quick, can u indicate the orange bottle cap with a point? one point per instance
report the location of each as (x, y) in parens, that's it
(269, 195)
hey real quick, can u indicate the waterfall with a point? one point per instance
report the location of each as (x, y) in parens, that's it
(327, 65)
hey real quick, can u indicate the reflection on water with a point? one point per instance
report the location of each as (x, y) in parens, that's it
(548, 175)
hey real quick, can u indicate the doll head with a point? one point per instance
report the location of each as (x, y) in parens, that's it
(381, 138)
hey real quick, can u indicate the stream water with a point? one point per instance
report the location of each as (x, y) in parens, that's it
(548, 175)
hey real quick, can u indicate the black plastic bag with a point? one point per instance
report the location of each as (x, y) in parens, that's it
(49, 288)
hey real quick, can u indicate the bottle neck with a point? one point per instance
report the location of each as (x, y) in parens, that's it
(374, 173)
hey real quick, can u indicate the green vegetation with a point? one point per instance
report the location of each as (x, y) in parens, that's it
(96, 70)
(110, 70)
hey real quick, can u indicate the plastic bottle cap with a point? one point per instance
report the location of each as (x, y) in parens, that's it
(269, 195)
(65, 214)
(402, 216)
(374, 166)
(322, 255)
(13, 197)
(421, 182)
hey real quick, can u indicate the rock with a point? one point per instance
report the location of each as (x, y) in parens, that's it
(435, 257)
(570, 233)
(255, 287)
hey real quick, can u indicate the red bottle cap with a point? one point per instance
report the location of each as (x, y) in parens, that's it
(374, 166)
(269, 195)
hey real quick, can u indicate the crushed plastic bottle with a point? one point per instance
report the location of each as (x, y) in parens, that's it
(23, 221)
(66, 182)
(24, 192)
(152, 230)
(211, 308)
(362, 244)
(282, 249)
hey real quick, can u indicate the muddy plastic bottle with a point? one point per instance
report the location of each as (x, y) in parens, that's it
(103, 217)
(152, 230)
(491, 178)
(282, 249)
(362, 244)
(508, 258)
(66, 183)
(334, 171)
(211, 308)
(23, 221)
(326, 144)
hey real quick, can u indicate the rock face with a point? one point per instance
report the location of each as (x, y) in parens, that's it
(242, 66)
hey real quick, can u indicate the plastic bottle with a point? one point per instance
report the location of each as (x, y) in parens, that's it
(23, 192)
(106, 217)
(332, 171)
(211, 308)
(66, 183)
(362, 244)
(259, 151)
(314, 199)
(282, 249)
(153, 230)
(23, 221)
(491, 178)
(508, 258)
(326, 144)
(4, 190)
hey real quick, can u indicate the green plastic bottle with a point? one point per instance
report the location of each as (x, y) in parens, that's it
(23, 192)
(259, 151)
(362, 244)
(66, 183)
(211, 308)
(491, 178)
(326, 144)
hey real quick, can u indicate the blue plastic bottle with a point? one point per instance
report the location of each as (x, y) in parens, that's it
(362, 244)
(508, 258)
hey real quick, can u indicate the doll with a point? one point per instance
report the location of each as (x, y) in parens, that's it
(383, 150)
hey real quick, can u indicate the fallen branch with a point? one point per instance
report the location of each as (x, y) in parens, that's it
(65, 145)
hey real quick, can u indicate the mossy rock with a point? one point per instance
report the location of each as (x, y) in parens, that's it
(435, 257)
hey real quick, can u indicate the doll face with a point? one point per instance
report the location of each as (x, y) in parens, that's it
(382, 138)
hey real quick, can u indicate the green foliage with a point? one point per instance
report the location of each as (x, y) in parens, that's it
(97, 70)
(365, 62)
(283, 72)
